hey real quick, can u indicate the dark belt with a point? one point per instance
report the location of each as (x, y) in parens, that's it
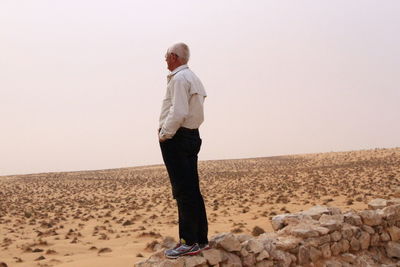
(187, 130)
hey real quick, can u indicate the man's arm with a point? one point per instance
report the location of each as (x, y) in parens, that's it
(178, 111)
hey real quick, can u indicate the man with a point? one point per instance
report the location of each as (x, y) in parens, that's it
(181, 115)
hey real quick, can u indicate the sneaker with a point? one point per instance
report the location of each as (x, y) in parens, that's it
(182, 250)
(204, 246)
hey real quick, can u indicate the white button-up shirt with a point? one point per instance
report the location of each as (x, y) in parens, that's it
(183, 102)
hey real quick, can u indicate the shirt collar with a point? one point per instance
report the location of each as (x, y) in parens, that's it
(178, 69)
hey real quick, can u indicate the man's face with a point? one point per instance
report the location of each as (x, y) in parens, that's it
(172, 60)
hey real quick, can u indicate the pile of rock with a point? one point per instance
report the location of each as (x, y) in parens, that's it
(320, 236)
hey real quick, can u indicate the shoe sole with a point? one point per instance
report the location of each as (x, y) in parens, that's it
(184, 254)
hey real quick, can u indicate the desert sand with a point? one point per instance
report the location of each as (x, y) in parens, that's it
(116, 217)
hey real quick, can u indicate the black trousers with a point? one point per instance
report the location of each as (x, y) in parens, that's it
(180, 158)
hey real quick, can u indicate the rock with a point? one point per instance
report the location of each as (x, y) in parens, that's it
(377, 203)
(243, 237)
(368, 229)
(249, 260)
(393, 249)
(40, 258)
(354, 244)
(230, 260)
(371, 217)
(287, 242)
(180, 262)
(336, 248)
(253, 246)
(257, 231)
(345, 244)
(332, 222)
(326, 250)
(212, 256)
(332, 263)
(3, 264)
(244, 252)
(391, 213)
(280, 221)
(352, 218)
(336, 236)
(263, 255)
(385, 236)
(394, 233)
(317, 211)
(104, 250)
(349, 258)
(315, 254)
(364, 239)
(305, 230)
(374, 239)
(393, 201)
(226, 241)
(265, 264)
(317, 241)
(193, 261)
(168, 242)
(347, 232)
(304, 255)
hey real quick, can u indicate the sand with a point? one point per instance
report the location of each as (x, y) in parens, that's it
(109, 217)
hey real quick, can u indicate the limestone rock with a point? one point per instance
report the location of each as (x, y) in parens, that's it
(393, 249)
(253, 246)
(212, 256)
(317, 211)
(287, 242)
(304, 255)
(354, 244)
(371, 217)
(263, 255)
(364, 239)
(326, 250)
(394, 233)
(226, 241)
(336, 248)
(336, 236)
(385, 236)
(265, 264)
(3, 264)
(352, 218)
(377, 203)
(243, 237)
(282, 220)
(315, 254)
(332, 222)
(393, 201)
(249, 260)
(193, 261)
(349, 258)
(231, 260)
(345, 245)
(391, 212)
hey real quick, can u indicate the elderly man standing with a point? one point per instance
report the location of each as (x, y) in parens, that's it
(181, 115)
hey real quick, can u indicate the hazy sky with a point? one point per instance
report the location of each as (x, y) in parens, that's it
(81, 82)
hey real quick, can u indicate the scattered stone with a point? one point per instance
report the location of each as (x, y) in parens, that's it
(3, 264)
(257, 231)
(105, 250)
(40, 258)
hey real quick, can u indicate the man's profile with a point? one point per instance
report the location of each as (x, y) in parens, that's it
(181, 116)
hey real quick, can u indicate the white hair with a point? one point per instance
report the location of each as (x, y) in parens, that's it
(182, 51)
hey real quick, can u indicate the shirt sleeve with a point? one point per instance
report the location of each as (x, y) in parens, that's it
(179, 109)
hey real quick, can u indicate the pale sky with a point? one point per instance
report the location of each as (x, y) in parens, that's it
(81, 82)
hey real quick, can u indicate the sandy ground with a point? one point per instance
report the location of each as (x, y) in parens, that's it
(109, 217)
